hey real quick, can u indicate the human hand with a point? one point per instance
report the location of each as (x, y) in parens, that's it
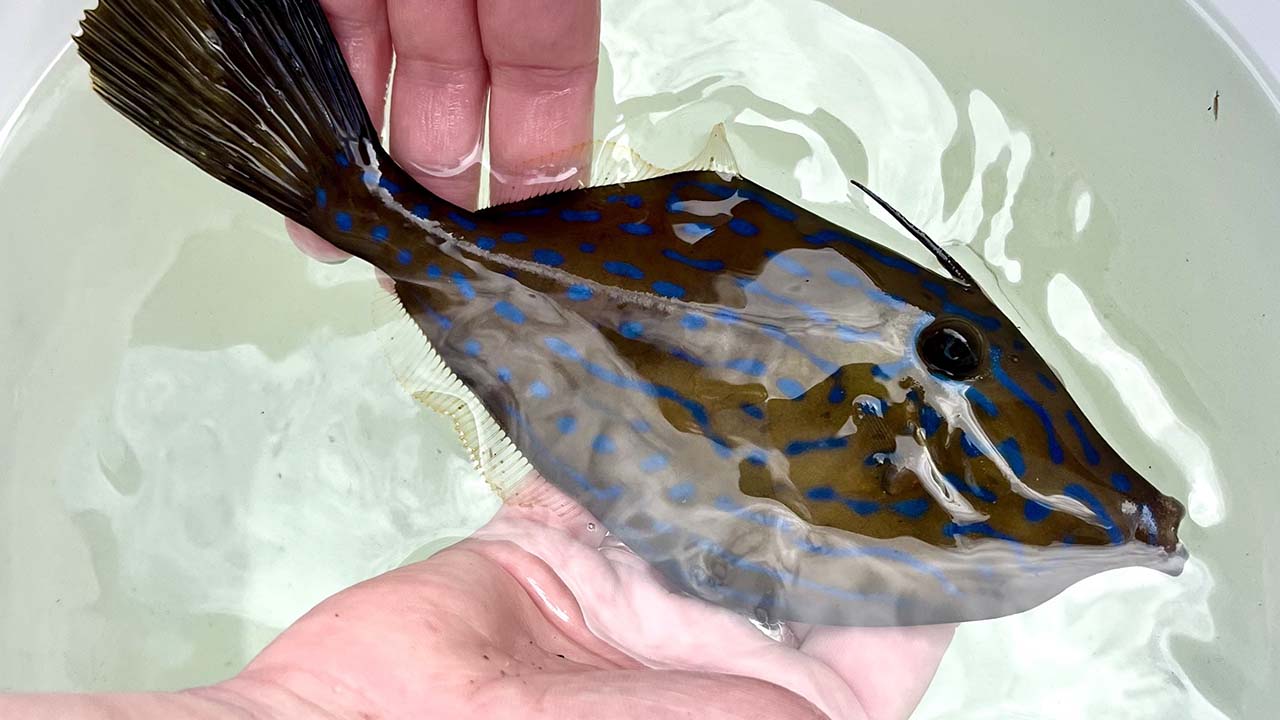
(541, 614)
(533, 61)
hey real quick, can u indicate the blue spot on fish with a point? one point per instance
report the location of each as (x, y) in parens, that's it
(465, 223)
(472, 347)
(389, 185)
(912, 509)
(631, 201)
(747, 366)
(380, 233)
(980, 529)
(653, 463)
(486, 243)
(791, 388)
(640, 425)
(968, 446)
(1035, 512)
(682, 493)
(603, 445)
(1055, 450)
(936, 289)
(930, 421)
(566, 424)
(971, 487)
(1090, 452)
(550, 258)
(623, 269)
(1121, 482)
(636, 228)
(757, 457)
(985, 321)
(539, 390)
(343, 160)
(509, 312)
(343, 221)
(587, 248)
(754, 411)
(576, 216)
(693, 322)
(800, 447)
(514, 238)
(743, 227)
(562, 348)
(668, 289)
(1079, 492)
(789, 265)
(1012, 454)
(404, 257)
(434, 272)
(504, 374)
(579, 293)
(421, 211)
(837, 393)
(1048, 384)
(830, 237)
(322, 198)
(464, 286)
(631, 330)
(820, 494)
(975, 396)
(708, 265)
(863, 507)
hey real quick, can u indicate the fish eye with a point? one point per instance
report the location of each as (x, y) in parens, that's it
(952, 348)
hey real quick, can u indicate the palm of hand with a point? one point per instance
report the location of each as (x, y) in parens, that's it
(540, 615)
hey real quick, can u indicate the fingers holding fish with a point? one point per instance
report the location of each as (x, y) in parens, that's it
(364, 35)
(889, 668)
(543, 57)
(441, 87)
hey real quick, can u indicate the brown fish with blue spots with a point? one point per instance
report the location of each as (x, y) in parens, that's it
(782, 416)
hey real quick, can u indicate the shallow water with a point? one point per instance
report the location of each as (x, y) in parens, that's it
(201, 447)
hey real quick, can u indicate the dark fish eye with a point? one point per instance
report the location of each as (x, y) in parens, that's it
(952, 348)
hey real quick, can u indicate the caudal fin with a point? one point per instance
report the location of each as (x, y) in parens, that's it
(254, 92)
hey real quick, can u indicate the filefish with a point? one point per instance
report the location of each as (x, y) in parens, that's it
(784, 417)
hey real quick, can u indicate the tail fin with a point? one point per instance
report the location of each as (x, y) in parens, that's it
(254, 92)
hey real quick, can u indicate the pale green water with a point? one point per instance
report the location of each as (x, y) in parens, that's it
(202, 440)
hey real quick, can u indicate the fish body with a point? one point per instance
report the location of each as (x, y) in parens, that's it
(781, 415)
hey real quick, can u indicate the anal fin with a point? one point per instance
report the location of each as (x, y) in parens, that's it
(427, 379)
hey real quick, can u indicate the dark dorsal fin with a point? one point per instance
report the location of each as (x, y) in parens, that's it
(952, 267)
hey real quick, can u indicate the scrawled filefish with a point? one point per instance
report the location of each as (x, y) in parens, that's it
(782, 416)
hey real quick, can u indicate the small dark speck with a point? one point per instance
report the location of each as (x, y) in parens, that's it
(486, 657)
(503, 673)
(559, 656)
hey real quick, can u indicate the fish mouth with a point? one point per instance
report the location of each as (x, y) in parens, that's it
(1162, 531)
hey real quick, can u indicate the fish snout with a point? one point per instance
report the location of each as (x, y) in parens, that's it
(1166, 515)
